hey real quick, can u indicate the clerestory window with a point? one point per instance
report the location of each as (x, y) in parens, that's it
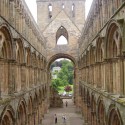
(73, 10)
(62, 40)
(63, 6)
(50, 10)
(62, 36)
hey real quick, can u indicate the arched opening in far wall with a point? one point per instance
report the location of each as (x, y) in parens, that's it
(62, 75)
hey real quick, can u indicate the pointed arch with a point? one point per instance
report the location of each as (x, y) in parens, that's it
(113, 41)
(114, 117)
(28, 56)
(6, 42)
(61, 32)
(8, 116)
(30, 110)
(21, 112)
(99, 50)
(101, 111)
(20, 51)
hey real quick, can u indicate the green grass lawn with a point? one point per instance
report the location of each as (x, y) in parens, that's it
(61, 89)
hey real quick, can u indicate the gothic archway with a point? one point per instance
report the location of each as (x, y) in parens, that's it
(114, 117)
(8, 116)
(61, 34)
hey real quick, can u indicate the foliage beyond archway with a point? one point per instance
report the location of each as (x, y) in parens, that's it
(64, 76)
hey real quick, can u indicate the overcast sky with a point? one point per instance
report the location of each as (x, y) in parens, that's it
(32, 6)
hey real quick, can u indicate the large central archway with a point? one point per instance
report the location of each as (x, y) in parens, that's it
(73, 60)
(61, 55)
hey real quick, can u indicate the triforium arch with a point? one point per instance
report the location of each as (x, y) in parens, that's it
(61, 32)
(113, 43)
(8, 116)
(113, 52)
(20, 51)
(114, 117)
(93, 109)
(30, 114)
(101, 113)
(21, 112)
(6, 49)
(99, 49)
(6, 55)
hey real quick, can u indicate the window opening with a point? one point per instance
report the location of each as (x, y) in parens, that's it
(50, 10)
(63, 6)
(73, 10)
(62, 40)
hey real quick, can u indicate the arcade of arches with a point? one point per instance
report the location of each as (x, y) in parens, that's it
(97, 48)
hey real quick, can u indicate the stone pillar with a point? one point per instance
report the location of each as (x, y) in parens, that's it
(121, 61)
(11, 76)
(23, 77)
(2, 78)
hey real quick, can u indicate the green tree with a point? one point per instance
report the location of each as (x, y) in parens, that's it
(65, 75)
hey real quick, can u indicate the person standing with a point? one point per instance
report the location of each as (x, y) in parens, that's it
(55, 119)
(64, 118)
(66, 103)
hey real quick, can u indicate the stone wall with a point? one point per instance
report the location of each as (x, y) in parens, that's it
(101, 63)
(23, 77)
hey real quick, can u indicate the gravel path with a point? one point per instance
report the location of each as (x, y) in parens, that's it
(72, 118)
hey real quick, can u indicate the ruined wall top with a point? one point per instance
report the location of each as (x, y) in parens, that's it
(100, 13)
(34, 24)
(56, 0)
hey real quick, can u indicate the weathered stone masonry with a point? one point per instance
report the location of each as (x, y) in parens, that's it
(27, 51)
(23, 77)
(102, 64)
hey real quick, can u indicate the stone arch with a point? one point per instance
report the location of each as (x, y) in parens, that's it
(114, 117)
(6, 49)
(113, 50)
(20, 54)
(99, 50)
(33, 58)
(93, 109)
(21, 112)
(101, 113)
(7, 116)
(113, 40)
(28, 56)
(61, 55)
(36, 108)
(61, 32)
(30, 111)
(92, 54)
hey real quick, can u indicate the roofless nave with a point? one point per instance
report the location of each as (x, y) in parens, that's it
(96, 46)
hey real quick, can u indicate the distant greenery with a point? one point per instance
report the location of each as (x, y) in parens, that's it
(65, 76)
(62, 89)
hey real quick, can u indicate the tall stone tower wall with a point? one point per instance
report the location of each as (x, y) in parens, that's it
(77, 15)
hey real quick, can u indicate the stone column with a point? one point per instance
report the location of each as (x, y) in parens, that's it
(11, 76)
(2, 78)
(23, 77)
